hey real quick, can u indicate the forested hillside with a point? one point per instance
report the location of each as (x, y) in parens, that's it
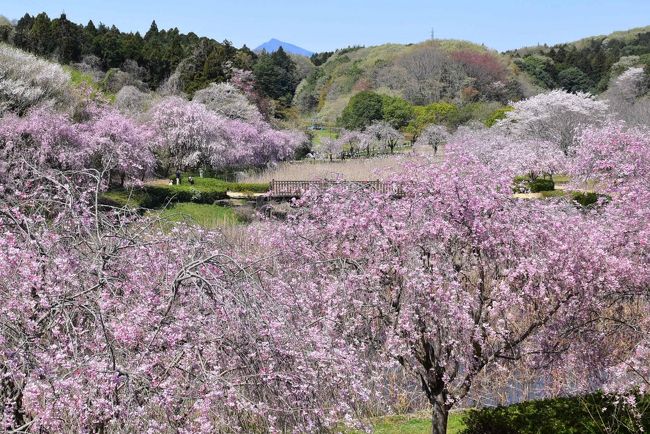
(477, 81)
(470, 76)
(165, 60)
(421, 74)
(586, 65)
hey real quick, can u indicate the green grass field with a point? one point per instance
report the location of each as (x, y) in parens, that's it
(139, 197)
(189, 203)
(214, 184)
(416, 423)
(123, 197)
(317, 135)
(206, 216)
(419, 423)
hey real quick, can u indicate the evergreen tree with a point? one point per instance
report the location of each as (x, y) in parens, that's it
(40, 35)
(21, 37)
(275, 75)
(574, 80)
(362, 110)
(152, 32)
(67, 40)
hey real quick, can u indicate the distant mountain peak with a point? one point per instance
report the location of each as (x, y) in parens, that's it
(273, 44)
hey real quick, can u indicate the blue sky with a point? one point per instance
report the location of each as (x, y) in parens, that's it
(329, 24)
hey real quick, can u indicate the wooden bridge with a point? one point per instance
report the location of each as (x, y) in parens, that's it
(288, 189)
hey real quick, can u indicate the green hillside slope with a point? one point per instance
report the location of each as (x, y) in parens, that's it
(588, 64)
(423, 73)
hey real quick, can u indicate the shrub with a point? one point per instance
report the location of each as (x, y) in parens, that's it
(158, 196)
(497, 115)
(475, 111)
(396, 111)
(587, 199)
(588, 414)
(205, 191)
(541, 184)
(362, 110)
(536, 185)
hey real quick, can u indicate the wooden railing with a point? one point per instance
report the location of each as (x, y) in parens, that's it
(296, 188)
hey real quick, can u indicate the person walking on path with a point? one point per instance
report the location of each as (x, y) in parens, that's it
(178, 176)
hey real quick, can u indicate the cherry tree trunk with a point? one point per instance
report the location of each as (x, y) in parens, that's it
(439, 416)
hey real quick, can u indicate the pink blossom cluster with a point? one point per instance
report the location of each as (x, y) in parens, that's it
(615, 161)
(508, 154)
(455, 277)
(45, 142)
(188, 134)
(112, 323)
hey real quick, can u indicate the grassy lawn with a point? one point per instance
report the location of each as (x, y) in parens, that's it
(417, 423)
(206, 216)
(317, 135)
(122, 197)
(561, 179)
(214, 185)
(204, 190)
(185, 202)
(554, 193)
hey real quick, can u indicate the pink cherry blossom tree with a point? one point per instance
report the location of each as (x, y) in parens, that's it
(245, 82)
(189, 135)
(509, 155)
(355, 141)
(182, 130)
(242, 144)
(110, 322)
(615, 157)
(615, 160)
(122, 145)
(454, 278)
(42, 142)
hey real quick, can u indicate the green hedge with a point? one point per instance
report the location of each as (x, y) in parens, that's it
(587, 199)
(536, 185)
(157, 197)
(594, 413)
(497, 115)
(205, 190)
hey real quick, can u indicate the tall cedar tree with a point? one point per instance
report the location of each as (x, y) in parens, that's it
(276, 76)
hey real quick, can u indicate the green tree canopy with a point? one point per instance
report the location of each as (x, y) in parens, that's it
(435, 113)
(276, 76)
(396, 111)
(575, 80)
(363, 108)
